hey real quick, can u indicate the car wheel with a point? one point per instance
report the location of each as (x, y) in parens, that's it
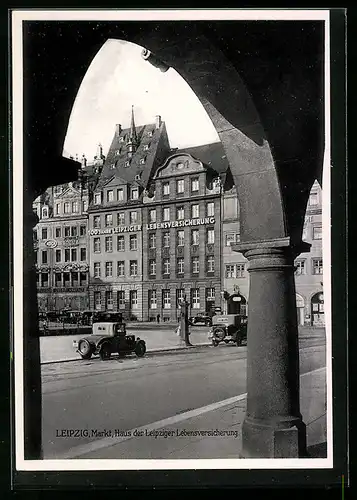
(105, 352)
(85, 349)
(140, 349)
(220, 333)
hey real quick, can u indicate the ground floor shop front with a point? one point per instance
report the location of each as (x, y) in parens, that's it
(57, 300)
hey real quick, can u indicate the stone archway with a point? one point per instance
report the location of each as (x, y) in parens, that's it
(236, 304)
(317, 310)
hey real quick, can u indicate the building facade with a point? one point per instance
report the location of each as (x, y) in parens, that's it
(61, 243)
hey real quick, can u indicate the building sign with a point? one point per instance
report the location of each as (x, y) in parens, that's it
(113, 230)
(78, 289)
(71, 240)
(51, 243)
(180, 223)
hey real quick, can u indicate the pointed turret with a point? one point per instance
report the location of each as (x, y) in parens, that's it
(133, 139)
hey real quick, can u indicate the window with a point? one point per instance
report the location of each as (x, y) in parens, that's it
(166, 299)
(96, 268)
(75, 207)
(133, 217)
(166, 214)
(180, 186)
(120, 268)
(230, 271)
(240, 268)
(44, 279)
(317, 266)
(166, 267)
(133, 240)
(150, 134)
(97, 199)
(133, 268)
(195, 265)
(166, 239)
(210, 294)
(134, 194)
(110, 195)
(83, 254)
(109, 269)
(45, 212)
(210, 236)
(180, 238)
(96, 245)
(180, 295)
(152, 240)
(142, 161)
(120, 194)
(82, 230)
(195, 237)
(120, 243)
(67, 256)
(73, 254)
(317, 233)
(58, 255)
(84, 205)
(73, 230)
(109, 303)
(210, 264)
(152, 267)
(58, 279)
(121, 299)
(58, 208)
(44, 233)
(152, 215)
(108, 243)
(210, 209)
(146, 147)
(195, 211)
(58, 190)
(180, 213)
(127, 163)
(180, 266)
(195, 298)
(108, 220)
(300, 267)
(96, 221)
(313, 199)
(194, 184)
(44, 256)
(133, 299)
(165, 188)
(121, 219)
(66, 208)
(82, 279)
(97, 301)
(67, 231)
(152, 299)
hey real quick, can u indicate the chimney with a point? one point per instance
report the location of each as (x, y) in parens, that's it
(118, 129)
(158, 121)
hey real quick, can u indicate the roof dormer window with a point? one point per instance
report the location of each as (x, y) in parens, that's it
(121, 139)
(150, 133)
(146, 147)
(117, 152)
(44, 212)
(127, 163)
(137, 177)
(142, 161)
(97, 198)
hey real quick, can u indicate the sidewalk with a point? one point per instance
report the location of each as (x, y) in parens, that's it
(59, 348)
(222, 417)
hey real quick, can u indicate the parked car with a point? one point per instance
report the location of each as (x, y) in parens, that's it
(200, 319)
(229, 328)
(102, 316)
(108, 338)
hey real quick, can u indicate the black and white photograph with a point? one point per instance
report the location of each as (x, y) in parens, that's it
(172, 240)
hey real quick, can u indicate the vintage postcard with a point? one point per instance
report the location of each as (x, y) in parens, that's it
(172, 240)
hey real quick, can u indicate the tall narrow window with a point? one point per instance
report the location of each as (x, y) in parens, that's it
(74, 255)
(44, 233)
(109, 269)
(180, 213)
(108, 243)
(97, 301)
(58, 255)
(166, 267)
(82, 230)
(195, 298)
(166, 239)
(75, 207)
(194, 185)
(165, 188)
(44, 256)
(195, 237)
(133, 268)
(210, 236)
(133, 299)
(195, 265)
(210, 209)
(108, 220)
(166, 299)
(121, 219)
(300, 267)
(152, 215)
(110, 195)
(120, 243)
(180, 186)
(166, 214)
(195, 211)
(97, 199)
(121, 299)
(210, 264)
(83, 254)
(180, 266)
(180, 238)
(67, 208)
(121, 268)
(120, 194)
(74, 231)
(240, 268)
(96, 221)
(109, 303)
(317, 266)
(133, 217)
(96, 245)
(152, 299)
(133, 242)
(152, 267)
(96, 269)
(67, 231)
(152, 240)
(67, 256)
(134, 194)
(180, 294)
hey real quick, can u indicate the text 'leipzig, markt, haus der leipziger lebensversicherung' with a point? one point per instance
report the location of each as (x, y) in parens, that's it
(147, 225)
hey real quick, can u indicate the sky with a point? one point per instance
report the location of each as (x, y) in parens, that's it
(118, 78)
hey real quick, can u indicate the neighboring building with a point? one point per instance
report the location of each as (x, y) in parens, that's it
(182, 235)
(115, 218)
(308, 274)
(61, 243)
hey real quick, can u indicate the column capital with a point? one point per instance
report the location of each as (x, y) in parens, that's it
(269, 247)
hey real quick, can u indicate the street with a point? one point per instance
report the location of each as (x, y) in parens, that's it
(124, 394)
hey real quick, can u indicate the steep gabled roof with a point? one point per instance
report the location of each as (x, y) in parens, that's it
(212, 155)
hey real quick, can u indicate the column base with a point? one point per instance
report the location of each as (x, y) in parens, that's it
(279, 438)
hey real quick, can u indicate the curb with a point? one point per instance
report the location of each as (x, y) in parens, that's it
(164, 350)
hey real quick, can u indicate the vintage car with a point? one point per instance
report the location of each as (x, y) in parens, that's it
(107, 338)
(200, 319)
(228, 328)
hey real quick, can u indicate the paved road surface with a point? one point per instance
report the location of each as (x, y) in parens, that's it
(128, 393)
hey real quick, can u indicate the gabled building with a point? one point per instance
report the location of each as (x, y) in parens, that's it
(115, 217)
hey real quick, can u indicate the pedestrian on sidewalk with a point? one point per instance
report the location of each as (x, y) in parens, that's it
(158, 318)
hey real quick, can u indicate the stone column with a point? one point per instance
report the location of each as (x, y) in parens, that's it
(273, 426)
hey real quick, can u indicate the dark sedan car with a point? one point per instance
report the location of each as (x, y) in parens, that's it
(200, 319)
